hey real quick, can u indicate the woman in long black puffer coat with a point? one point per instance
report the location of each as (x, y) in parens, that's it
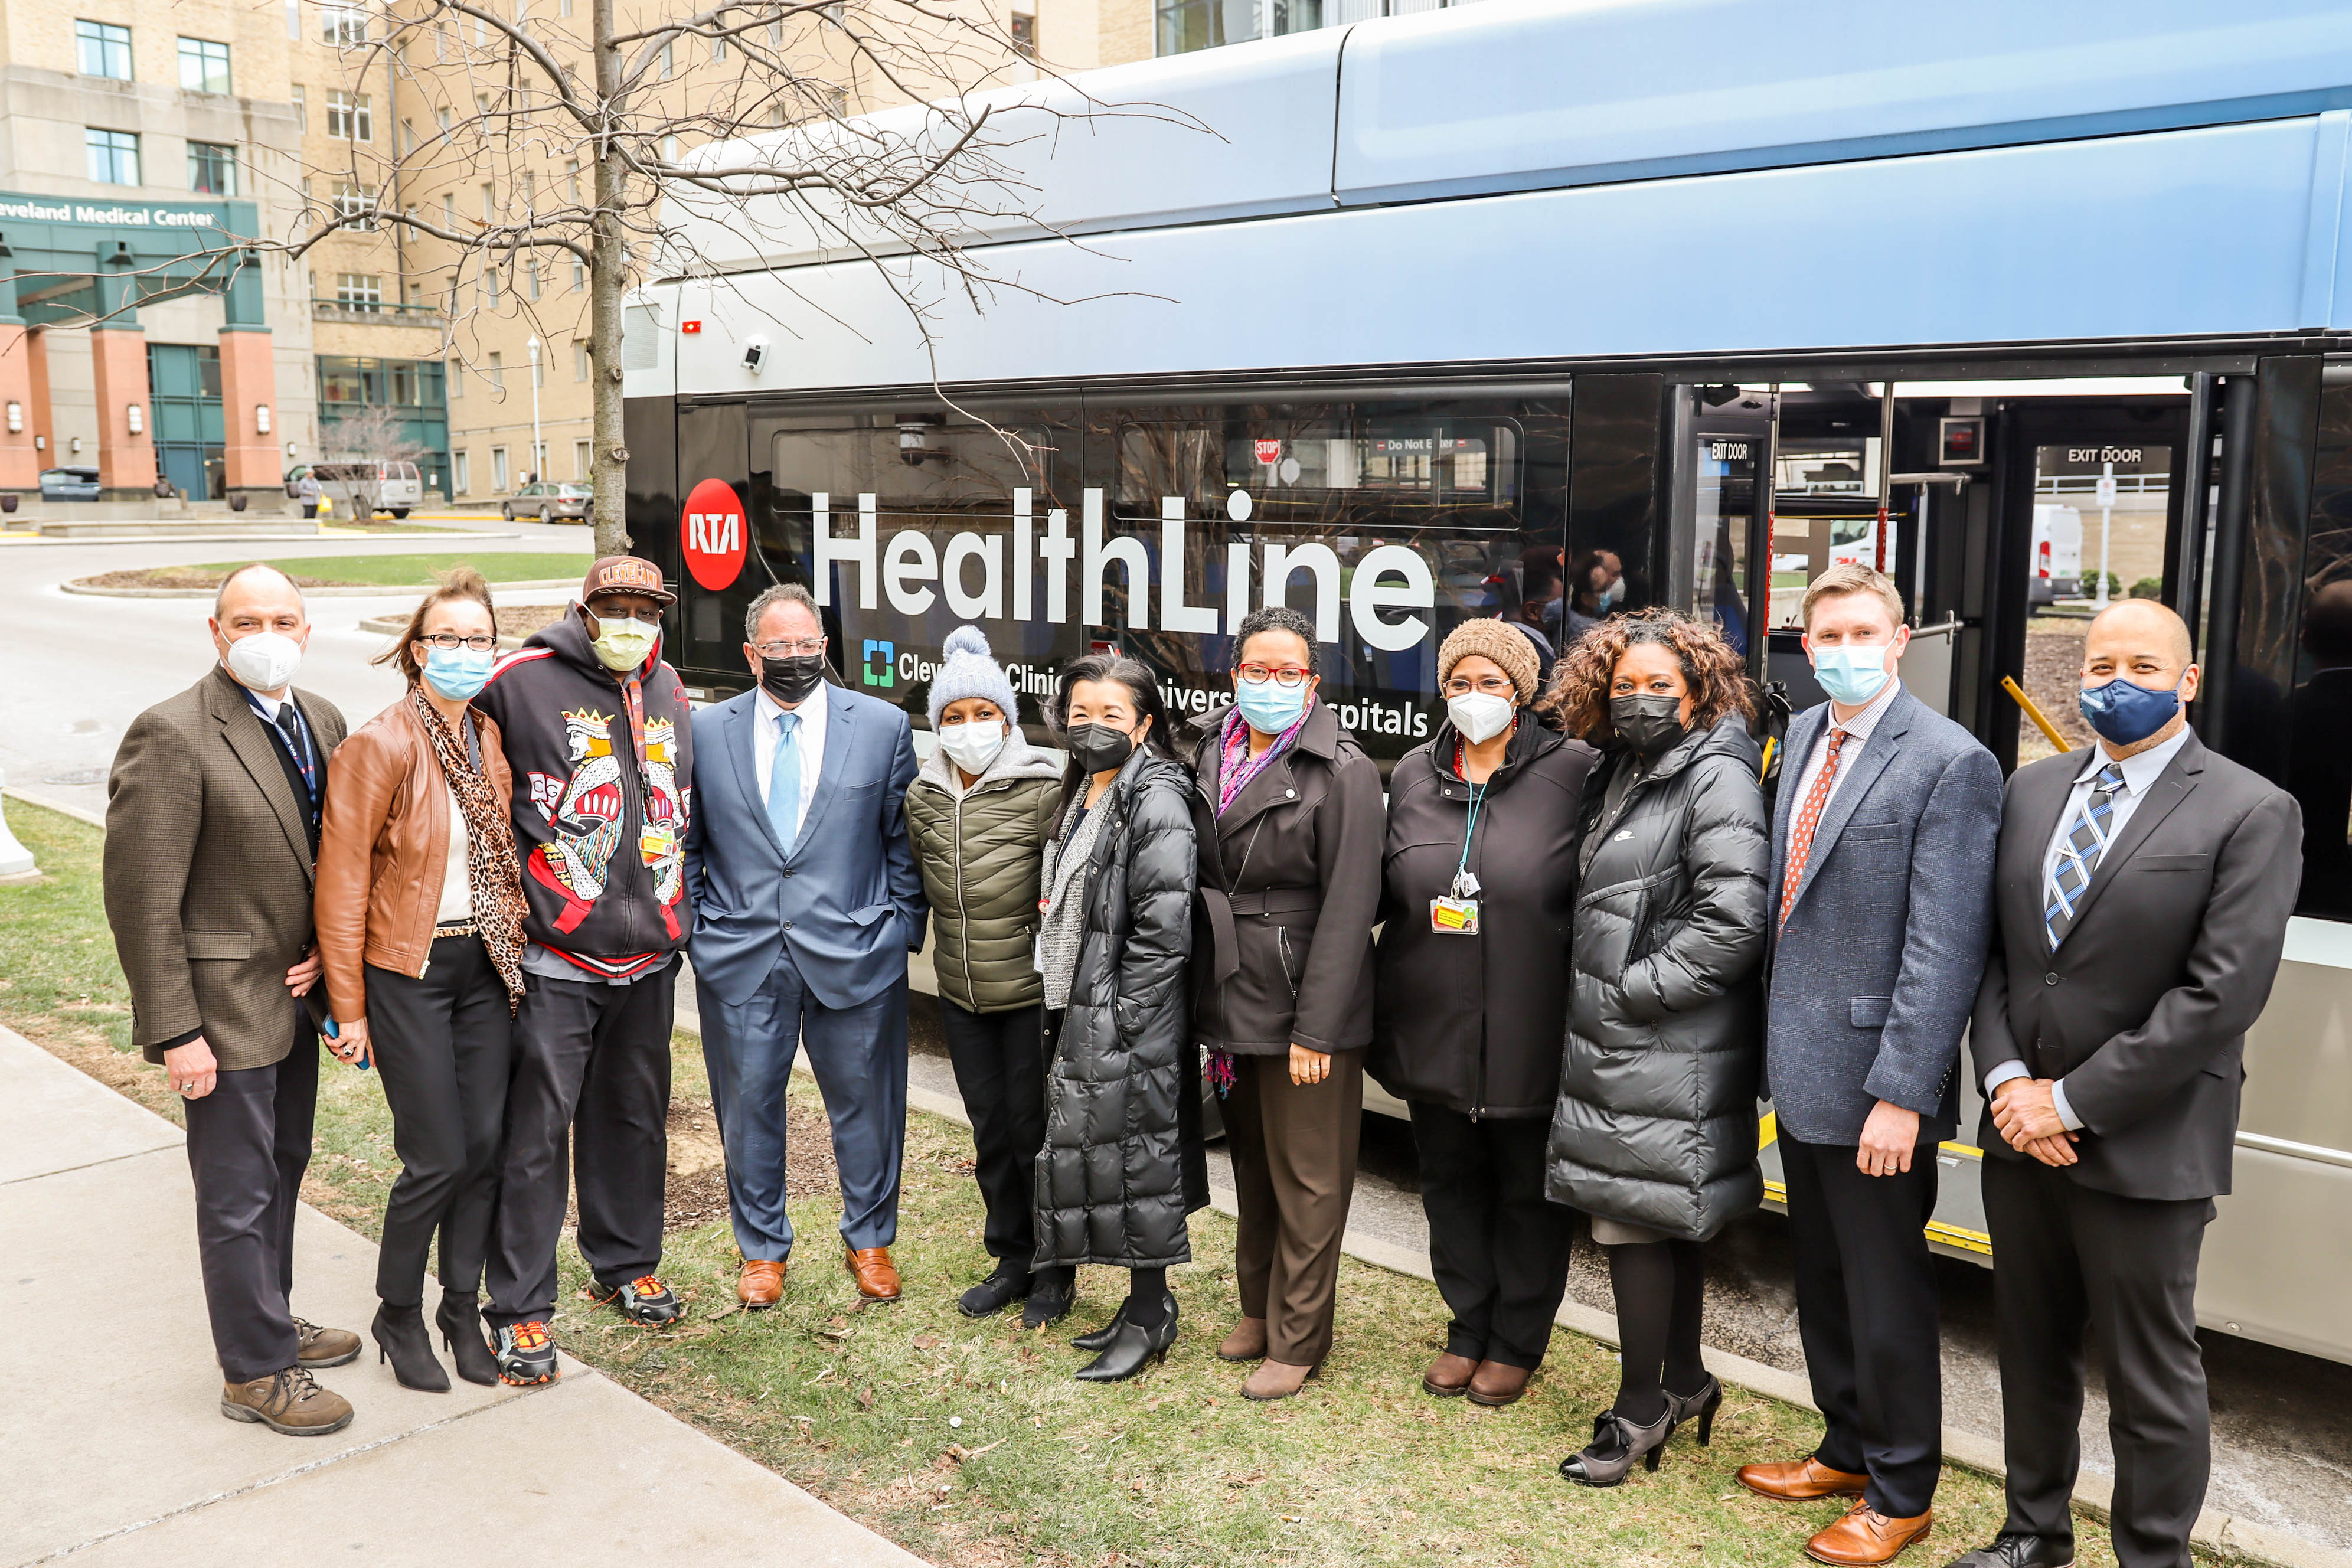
(1122, 1164)
(1654, 1132)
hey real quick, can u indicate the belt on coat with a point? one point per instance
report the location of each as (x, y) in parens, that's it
(1221, 907)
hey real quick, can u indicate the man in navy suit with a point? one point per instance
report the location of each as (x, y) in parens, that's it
(1881, 881)
(806, 904)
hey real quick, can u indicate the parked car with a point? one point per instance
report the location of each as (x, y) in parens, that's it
(393, 487)
(69, 484)
(552, 501)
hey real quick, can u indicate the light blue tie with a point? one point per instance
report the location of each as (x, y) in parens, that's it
(2079, 857)
(784, 781)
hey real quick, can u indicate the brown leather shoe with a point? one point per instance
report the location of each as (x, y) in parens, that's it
(1449, 1375)
(288, 1402)
(1801, 1480)
(1864, 1538)
(1496, 1385)
(876, 1277)
(1247, 1343)
(760, 1284)
(316, 1347)
(1277, 1380)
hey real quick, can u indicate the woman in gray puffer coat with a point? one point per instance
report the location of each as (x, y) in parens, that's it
(1655, 1131)
(1122, 1164)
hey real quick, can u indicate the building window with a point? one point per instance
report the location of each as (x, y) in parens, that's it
(668, 62)
(498, 469)
(572, 177)
(583, 460)
(212, 168)
(345, 26)
(490, 203)
(580, 359)
(1183, 25)
(301, 109)
(356, 205)
(351, 116)
(203, 65)
(450, 210)
(532, 274)
(1023, 32)
(113, 156)
(563, 8)
(104, 49)
(578, 275)
(669, 149)
(460, 472)
(499, 383)
(359, 290)
(456, 377)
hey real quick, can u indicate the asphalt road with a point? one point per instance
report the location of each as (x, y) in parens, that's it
(80, 669)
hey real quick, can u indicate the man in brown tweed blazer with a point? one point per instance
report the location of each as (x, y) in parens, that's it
(212, 829)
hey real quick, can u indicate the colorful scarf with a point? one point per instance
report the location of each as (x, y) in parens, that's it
(493, 874)
(1236, 766)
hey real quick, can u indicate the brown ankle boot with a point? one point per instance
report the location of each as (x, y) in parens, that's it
(1449, 1375)
(290, 1401)
(1276, 1380)
(1247, 1343)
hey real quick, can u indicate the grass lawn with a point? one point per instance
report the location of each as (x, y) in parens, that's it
(969, 1444)
(418, 571)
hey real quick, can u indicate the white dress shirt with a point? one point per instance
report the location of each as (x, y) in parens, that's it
(810, 742)
(2140, 773)
(1857, 730)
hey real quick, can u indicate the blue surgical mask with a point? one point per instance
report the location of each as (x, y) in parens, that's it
(1852, 673)
(456, 673)
(2124, 712)
(1270, 707)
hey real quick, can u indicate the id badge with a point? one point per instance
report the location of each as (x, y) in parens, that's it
(1453, 917)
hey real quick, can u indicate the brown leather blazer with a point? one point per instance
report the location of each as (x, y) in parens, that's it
(384, 848)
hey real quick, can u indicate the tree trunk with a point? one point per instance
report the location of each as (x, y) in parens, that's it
(608, 281)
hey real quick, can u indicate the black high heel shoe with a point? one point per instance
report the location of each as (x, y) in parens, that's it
(1099, 1338)
(1616, 1444)
(1704, 1404)
(1133, 1347)
(460, 1319)
(401, 1338)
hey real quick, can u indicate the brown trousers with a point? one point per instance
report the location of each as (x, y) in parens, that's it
(1294, 1152)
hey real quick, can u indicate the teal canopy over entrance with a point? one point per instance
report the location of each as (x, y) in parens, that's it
(64, 261)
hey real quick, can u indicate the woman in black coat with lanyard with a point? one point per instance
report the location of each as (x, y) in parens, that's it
(1478, 881)
(1122, 1164)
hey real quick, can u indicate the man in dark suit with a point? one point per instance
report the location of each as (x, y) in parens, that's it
(212, 830)
(807, 903)
(1882, 844)
(2143, 894)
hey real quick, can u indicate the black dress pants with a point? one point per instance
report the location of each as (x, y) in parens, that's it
(591, 1068)
(2127, 1267)
(1000, 1071)
(1497, 1247)
(248, 1144)
(1866, 1315)
(443, 1044)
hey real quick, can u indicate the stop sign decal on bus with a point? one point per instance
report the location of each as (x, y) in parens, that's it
(710, 534)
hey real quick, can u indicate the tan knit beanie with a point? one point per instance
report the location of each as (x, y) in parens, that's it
(1507, 646)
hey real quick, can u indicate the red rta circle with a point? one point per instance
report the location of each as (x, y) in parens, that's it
(711, 534)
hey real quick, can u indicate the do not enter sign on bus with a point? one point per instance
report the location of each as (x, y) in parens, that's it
(710, 534)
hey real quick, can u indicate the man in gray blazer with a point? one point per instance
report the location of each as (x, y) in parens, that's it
(212, 835)
(1881, 856)
(807, 903)
(2143, 893)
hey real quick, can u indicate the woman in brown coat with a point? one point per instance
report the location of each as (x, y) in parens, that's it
(419, 908)
(1287, 811)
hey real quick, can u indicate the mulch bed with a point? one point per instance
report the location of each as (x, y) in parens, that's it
(2054, 673)
(188, 577)
(697, 1167)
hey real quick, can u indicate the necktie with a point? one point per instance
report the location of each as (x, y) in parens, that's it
(289, 726)
(2078, 857)
(1800, 837)
(784, 781)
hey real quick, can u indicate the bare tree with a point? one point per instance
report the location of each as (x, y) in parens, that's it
(359, 444)
(589, 141)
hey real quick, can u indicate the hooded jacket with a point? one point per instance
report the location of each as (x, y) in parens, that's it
(600, 765)
(1656, 1121)
(980, 852)
(1290, 884)
(1472, 1023)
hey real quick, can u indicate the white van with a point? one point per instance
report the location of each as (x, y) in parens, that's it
(2057, 553)
(393, 487)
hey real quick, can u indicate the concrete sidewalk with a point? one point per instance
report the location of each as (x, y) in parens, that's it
(115, 1452)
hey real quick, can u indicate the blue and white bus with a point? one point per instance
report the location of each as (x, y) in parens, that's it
(1542, 310)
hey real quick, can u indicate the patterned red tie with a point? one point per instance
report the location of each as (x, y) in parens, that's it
(1800, 837)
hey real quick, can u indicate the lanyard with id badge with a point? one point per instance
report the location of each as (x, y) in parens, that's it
(1457, 913)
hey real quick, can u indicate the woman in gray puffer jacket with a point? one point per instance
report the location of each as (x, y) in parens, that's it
(1655, 1131)
(1122, 1164)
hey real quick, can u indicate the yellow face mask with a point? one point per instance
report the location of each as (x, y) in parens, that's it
(623, 642)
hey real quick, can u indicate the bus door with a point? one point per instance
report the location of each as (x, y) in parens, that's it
(1722, 438)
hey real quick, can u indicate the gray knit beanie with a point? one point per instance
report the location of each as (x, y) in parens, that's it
(966, 670)
(1512, 652)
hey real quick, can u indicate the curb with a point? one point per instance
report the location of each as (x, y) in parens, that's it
(392, 625)
(79, 587)
(60, 807)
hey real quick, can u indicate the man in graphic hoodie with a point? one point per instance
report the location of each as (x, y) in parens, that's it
(596, 729)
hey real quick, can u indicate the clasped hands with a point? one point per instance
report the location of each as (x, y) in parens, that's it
(2026, 1114)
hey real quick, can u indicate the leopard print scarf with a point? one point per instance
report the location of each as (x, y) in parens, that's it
(492, 872)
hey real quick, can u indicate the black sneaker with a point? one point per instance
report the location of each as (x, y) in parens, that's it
(644, 1300)
(1009, 1283)
(2015, 1549)
(526, 1354)
(1050, 1291)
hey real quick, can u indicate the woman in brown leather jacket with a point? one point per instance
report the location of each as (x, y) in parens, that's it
(420, 910)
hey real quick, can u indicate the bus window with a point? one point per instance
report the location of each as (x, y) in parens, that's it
(2319, 748)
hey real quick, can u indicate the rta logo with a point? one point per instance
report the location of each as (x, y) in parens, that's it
(710, 535)
(881, 663)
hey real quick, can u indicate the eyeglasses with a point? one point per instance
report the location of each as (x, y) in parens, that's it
(1492, 685)
(444, 641)
(1287, 675)
(800, 649)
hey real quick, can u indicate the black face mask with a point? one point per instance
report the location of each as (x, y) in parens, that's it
(791, 679)
(1648, 722)
(1098, 748)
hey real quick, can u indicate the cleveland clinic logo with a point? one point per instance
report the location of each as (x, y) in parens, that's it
(881, 663)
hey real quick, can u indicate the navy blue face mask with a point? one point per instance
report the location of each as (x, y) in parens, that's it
(2124, 712)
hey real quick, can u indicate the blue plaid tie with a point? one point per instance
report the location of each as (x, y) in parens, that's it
(2087, 842)
(784, 781)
